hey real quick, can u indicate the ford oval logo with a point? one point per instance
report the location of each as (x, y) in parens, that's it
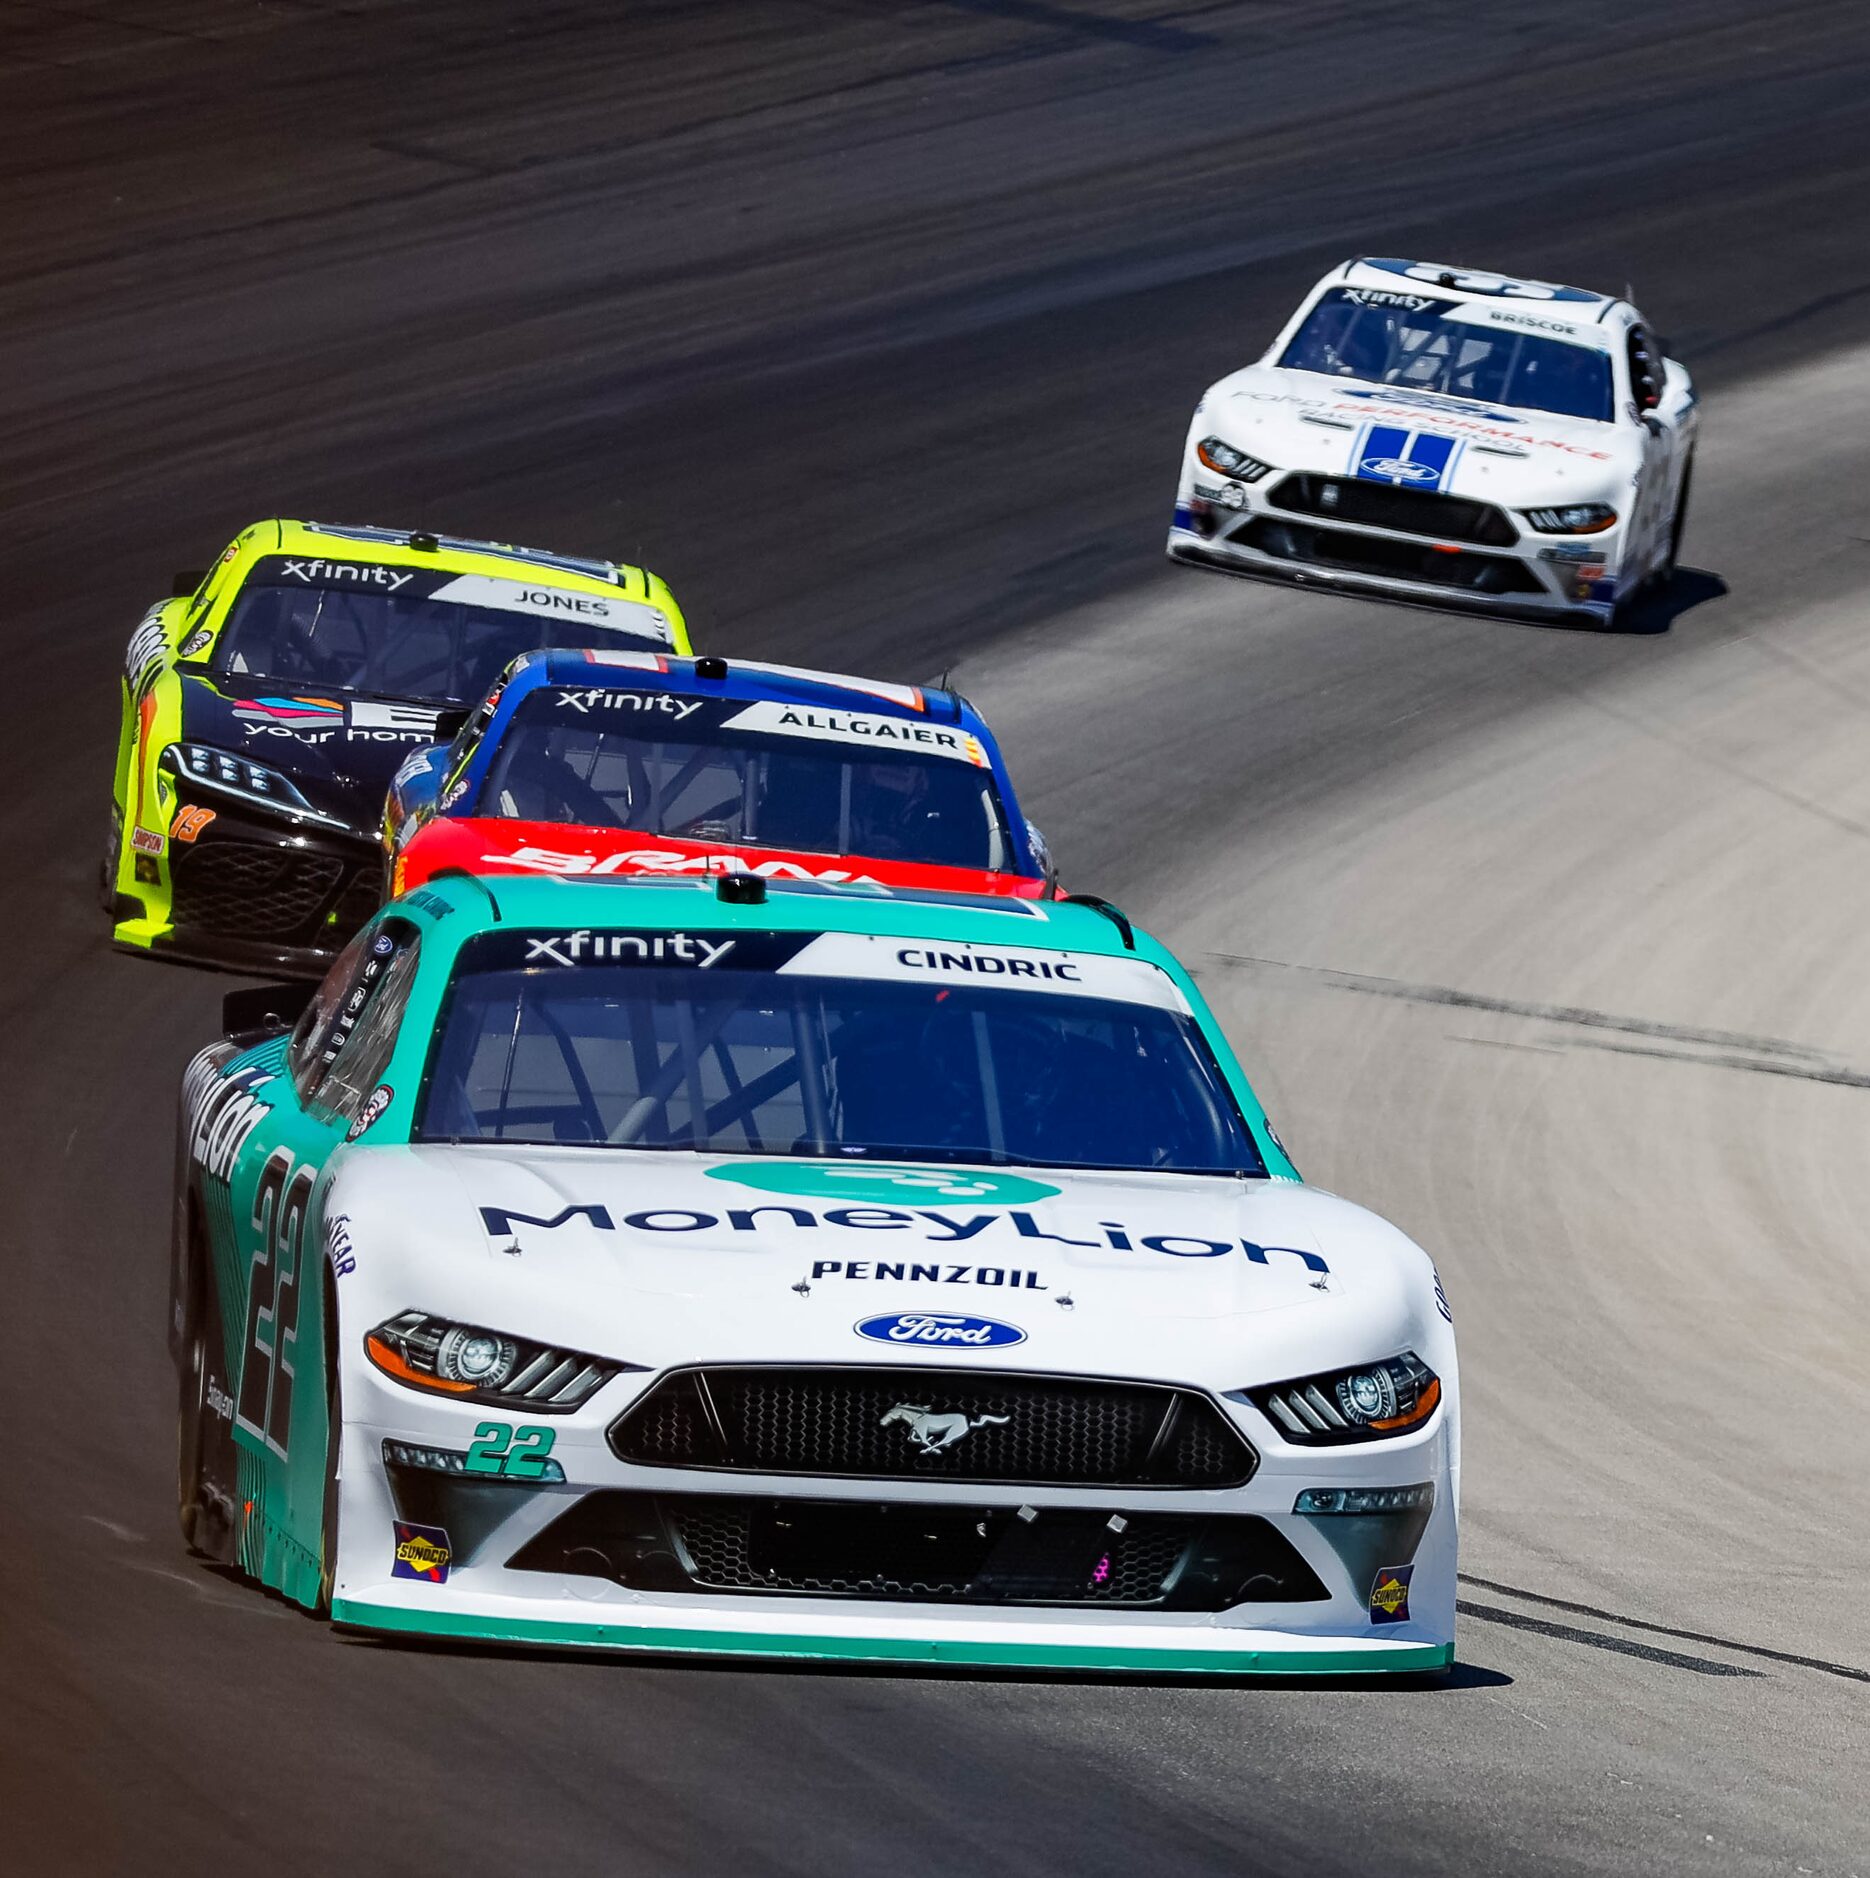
(944, 1330)
(1399, 467)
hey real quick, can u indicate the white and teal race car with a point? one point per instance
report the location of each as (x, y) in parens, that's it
(705, 1266)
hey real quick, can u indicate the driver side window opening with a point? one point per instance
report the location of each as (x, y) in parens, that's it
(344, 1042)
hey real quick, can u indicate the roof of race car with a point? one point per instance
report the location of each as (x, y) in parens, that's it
(412, 547)
(743, 680)
(472, 903)
(1573, 306)
(318, 543)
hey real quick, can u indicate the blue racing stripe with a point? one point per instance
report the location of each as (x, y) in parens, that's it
(1413, 459)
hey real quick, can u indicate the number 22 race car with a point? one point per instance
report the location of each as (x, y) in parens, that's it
(1432, 434)
(266, 707)
(796, 1271)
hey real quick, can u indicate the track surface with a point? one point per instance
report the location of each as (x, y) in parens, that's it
(873, 325)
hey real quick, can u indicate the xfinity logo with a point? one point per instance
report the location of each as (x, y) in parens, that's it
(367, 571)
(594, 698)
(1400, 468)
(584, 947)
(930, 1433)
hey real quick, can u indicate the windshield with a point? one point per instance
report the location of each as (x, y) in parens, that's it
(763, 773)
(440, 637)
(1406, 339)
(639, 1052)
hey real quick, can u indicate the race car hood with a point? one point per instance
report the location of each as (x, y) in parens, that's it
(341, 749)
(488, 845)
(667, 1258)
(1422, 440)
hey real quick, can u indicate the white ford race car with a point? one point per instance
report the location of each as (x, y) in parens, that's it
(829, 1274)
(1435, 434)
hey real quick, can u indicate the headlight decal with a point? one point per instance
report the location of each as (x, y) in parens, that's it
(206, 767)
(1577, 518)
(1224, 460)
(443, 1357)
(1367, 1403)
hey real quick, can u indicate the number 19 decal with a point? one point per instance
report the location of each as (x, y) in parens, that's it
(513, 1453)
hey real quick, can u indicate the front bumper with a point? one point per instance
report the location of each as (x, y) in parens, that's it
(1485, 560)
(487, 1565)
(248, 893)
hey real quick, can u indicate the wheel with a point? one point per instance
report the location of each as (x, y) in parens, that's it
(334, 1460)
(1666, 571)
(107, 870)
(203, 1510)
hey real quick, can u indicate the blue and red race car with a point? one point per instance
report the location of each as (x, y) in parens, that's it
(607, 762)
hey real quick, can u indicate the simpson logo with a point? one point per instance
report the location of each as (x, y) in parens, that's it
(829, 726)
(421, 1552)
(145, 841)
(1389, 1595)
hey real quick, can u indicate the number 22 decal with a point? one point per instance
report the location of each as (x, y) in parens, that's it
(513, 1453)
(281, 1202)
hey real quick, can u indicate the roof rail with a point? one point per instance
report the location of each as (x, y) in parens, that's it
(1114, 914)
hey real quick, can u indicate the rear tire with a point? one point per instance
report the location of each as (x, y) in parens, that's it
(107, 870)
(1666, 572)
(205, 1515)
(334, 1457)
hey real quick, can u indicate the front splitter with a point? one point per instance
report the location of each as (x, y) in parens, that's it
(1241, 1653)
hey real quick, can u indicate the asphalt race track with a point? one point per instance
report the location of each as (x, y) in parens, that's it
(873, 325)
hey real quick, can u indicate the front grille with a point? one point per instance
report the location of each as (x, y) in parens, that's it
(1460, 570)
(923, 1552)
(251, 889)
(934, 1424)
(1384, 505)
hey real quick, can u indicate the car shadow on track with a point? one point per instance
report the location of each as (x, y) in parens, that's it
(1657, 613)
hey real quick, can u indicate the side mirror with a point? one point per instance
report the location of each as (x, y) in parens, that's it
(263, 1010)
(186, 582)
(449, 724)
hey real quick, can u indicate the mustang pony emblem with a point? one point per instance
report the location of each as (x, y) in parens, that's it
(929, 1433)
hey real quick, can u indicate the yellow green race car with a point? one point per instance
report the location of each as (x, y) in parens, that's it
(267, 705)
